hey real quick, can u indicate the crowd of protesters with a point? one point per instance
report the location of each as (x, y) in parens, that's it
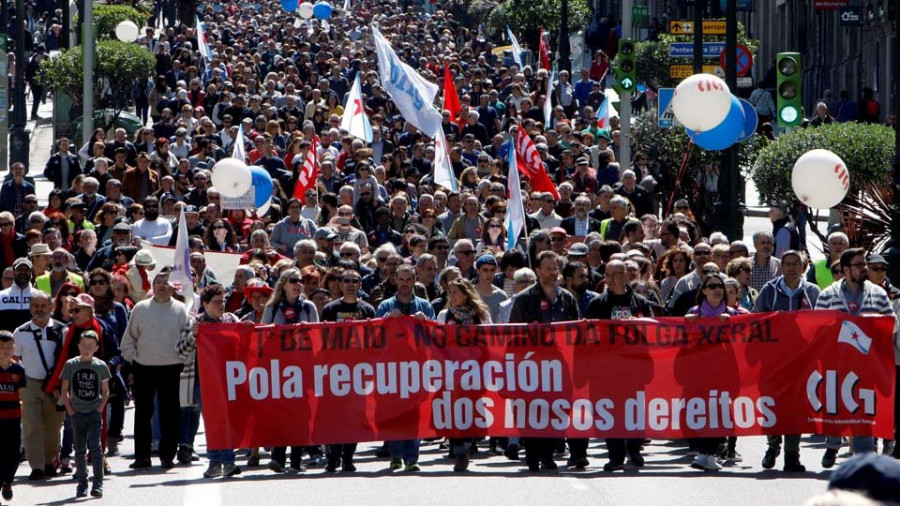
(374, 237)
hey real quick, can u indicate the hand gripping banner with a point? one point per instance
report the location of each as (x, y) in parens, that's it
(400, 378)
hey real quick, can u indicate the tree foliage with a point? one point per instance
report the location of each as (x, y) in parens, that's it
(653, 58)
(867, 150)
(119, 65)
(526, 17)
(107, 17)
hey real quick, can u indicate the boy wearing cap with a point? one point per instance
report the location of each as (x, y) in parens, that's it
(85, 391)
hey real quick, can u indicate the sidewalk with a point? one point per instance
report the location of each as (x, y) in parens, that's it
(40, 148)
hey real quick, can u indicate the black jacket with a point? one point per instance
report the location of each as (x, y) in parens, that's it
(569, 225)
(608, 306)
(532, 306)
(53, 169)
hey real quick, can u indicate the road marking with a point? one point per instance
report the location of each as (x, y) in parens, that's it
(576, 483)
(205, 494)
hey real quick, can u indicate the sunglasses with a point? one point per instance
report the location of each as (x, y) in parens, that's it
(293, 281)
(75, 310)
(365, 194)
(558, 239)
(98, 282)
(701, 253)
(220, 227)
(347, 254)
(351, 280)
(467, 252)
(715, 286)
(878, 269)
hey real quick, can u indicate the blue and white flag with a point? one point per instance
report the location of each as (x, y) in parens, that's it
(517, 49)
(181, 275)
(201, 41)
(239, 151)
(412, 94)
(548, 102)
(355, 121)
(443, 169)
(515, 215)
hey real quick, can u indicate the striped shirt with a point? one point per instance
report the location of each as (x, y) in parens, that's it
(11, 380)
(874, 300)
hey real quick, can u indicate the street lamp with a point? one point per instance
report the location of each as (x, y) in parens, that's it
(892, 253)
(565, 61)
(87, 91)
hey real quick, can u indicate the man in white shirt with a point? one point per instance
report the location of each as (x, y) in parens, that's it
(38, 343)
(152, 228)
(546, 215)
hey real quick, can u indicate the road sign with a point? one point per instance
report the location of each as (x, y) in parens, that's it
(640, 13)
(685, 27)
(829, 5)
(744, 59)
(745, 82)
(665, 118)
(851, 16)
(742, 5)
(683, 71)
(686, 49)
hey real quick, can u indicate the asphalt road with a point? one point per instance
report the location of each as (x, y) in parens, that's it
(667, 479)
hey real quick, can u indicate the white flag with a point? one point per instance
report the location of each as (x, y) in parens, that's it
(548, 102)
(181, 266)
(239, 151)
(354, 120)
(517, 49)
(515, 214)
(204, 49)
(412, 94)
(443, 169)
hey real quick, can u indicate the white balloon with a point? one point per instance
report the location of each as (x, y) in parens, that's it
(820, 179)
(127, 31)
(261, 211)
(305, 10)
(231, 177)
(701, 102)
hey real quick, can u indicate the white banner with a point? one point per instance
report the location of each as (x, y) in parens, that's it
(222, 264)
(245, 201)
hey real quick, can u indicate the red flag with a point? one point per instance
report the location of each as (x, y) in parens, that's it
(310, 172)
(544, 50)
(531, 166)
(451, 96)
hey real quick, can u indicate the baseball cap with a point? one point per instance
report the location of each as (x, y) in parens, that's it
(121, 227)
(558, 230)
(324, 233)
(579, 249)
(486, 260)
(84, 300)
(22, 261)
(876, 259)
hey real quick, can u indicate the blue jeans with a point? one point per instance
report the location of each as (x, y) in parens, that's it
(407, 449)
(861, 444)
(190, 420)
(220, 456)
(86, 433)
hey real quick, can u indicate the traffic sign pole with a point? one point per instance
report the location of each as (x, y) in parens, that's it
(625, 98)
(699, 9)
(728, 204)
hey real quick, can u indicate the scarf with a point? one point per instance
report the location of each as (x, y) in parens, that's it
(466, 315)
(69, 350)
(145, 281)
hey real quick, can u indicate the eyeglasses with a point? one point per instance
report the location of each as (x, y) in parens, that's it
(859, 266)
(382, 260)
(219, 227)
(351, 281)
(347, 254)
(701, 253)
(345, 213)
(878, 269)
(75, 310)
(364, 194)
(715, 286)
(98, 282)
(467, 252)
(442, 247)
(500, 211)
(558, 239)
(293, 281)
(494, 226)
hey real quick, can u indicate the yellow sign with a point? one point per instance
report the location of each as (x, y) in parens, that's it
(684, 27)
(683, 71)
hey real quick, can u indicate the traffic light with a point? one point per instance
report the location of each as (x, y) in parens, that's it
(626, 70)
(789, 92)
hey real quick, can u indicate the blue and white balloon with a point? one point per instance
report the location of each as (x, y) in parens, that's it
(322, 10)
(262, 185)
(725, 133)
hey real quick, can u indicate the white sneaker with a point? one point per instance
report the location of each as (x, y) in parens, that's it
(706, 463)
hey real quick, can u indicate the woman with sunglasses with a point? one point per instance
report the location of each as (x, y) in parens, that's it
(221, 237)
(115, 316)
(711, 303)
(464, 307)
(347, 308)
(493, 238)
(288, 306)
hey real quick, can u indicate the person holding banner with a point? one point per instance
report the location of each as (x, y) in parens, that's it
(788, 292)
(711, 303)
(853, 294)
(221, 462)
(618, 302)
(546, 302)
(287, 307)
(348, 308)
(465, 307)
(405, 302)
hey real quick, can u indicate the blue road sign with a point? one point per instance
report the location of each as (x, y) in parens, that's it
(686, 49)
(665, 118)
(742, 5)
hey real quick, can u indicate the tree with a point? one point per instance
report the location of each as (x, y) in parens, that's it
(867, 150)
(666, 148)
(526, 17)
(653, 58)
(119, 66)
(107, 17)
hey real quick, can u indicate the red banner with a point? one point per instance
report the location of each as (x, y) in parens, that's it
(400, 378)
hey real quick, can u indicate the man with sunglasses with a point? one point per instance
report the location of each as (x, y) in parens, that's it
(855, 295)
(52, 281)
(878, 275)
(691, 281)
